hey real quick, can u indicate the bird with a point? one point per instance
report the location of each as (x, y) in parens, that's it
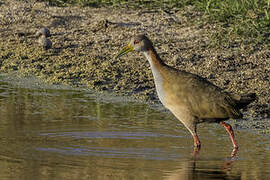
(191, 98)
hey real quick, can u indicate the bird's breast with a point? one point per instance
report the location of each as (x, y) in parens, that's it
(158, 78)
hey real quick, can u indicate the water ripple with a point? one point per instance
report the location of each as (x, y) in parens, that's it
(112, 135)
(109, 152)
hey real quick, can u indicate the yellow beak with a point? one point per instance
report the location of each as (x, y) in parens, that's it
(124, 51)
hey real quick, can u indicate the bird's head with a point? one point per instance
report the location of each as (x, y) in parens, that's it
(137, 43)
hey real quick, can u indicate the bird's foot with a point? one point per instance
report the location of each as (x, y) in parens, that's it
(234, 151)
(196, 151)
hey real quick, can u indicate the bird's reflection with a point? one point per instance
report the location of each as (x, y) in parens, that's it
(194, 168)
(196, 151)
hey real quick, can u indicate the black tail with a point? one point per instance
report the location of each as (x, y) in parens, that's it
(246, 99)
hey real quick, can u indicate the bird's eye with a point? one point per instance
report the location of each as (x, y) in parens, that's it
(136, 42)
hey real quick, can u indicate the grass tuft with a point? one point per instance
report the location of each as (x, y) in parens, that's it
(242, 19)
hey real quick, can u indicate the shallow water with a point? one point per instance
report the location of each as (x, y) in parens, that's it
(69, 134)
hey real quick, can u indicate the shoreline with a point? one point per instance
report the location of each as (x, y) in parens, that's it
(247, 123)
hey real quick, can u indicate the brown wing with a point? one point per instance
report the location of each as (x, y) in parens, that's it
(204, 99)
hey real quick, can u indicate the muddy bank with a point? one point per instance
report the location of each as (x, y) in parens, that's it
(85, 40)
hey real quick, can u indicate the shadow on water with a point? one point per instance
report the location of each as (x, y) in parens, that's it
(191, 169)
(71, 134)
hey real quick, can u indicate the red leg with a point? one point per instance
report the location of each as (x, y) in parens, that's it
(197, 142)
(197, 146)
(229, 129)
